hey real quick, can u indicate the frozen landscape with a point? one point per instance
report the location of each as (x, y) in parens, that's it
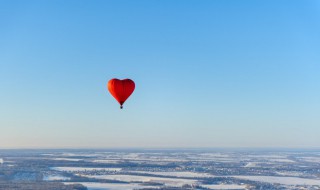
(120, 169)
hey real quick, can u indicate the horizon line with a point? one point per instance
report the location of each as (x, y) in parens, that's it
(160, 148)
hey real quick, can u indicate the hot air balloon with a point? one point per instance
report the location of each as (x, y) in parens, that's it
(121, 89)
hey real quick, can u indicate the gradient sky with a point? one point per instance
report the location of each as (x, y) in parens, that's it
(208, 73)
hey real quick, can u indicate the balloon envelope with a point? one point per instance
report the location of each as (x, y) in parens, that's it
(121, 89)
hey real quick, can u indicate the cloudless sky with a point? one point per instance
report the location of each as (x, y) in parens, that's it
(208, 73)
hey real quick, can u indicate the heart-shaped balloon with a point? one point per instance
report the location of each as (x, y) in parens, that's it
(121, 89)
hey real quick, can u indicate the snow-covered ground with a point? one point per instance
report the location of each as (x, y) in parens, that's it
(74, 169)
(250, 165)
(282, 180)
(47, 154)
(213, 157)
(280, 160)
(225, 186)
(55, 177)
(89, 155)
(311, 159)
(110, 186)
(267, 156)
(133, 178)
(67, 159)
(290, 173)
(177, 174)
(106, 161)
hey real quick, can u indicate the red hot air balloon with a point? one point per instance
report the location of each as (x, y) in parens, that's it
(121, 89)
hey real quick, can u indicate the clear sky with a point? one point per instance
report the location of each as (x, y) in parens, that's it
(208, 73)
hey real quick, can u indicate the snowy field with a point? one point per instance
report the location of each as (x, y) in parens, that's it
(282, 180)
(67, 159)
(250, 165)
(55, 177)
(106, 161)
(226, 186)
(75, 169)
(311, 159)
(177, 174)
(134, 178)
(280, 160)
(111, 186)
(178, 169)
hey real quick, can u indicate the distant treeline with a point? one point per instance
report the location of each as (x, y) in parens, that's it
(7, 185)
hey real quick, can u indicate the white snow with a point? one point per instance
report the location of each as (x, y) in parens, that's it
(108, 186)
(47, 154)
(282, 180)
(267, 156)
(55, 177)
(177, 174)
(311, 159)
(281, 160)
(133, 178)
(73, 169)
(106, 161)
(68, 154)
(1, 161)
(290, 173)
(225, 186)
(67, 159)
(214, 155)
(250, 165)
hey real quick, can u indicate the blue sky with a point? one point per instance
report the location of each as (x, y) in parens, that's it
(207, 73)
